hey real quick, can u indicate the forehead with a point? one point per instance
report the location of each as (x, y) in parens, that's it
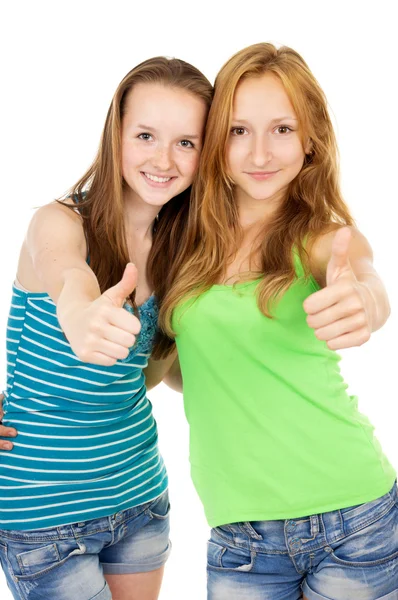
(264, 93)
(159, 105)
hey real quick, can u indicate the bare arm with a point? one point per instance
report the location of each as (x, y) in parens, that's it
(53, 260)
(353, 302)
(167, 370)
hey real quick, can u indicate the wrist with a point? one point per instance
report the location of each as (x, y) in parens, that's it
(378, 298)
(64, 312)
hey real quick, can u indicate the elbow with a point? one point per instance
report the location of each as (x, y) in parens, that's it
(174, 383)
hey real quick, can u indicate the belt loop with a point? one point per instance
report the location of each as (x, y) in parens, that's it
(314, 525)
(253, 534)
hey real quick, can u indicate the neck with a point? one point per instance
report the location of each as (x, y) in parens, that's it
(256, 213)
(139, 216)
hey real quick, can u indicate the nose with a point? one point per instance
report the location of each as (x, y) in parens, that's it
(261, 151)
(162, 159)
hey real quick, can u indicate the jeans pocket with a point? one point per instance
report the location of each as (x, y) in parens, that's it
(43, 557)
(228, 558)
(30, 561)
(372, 545)
(160, 507)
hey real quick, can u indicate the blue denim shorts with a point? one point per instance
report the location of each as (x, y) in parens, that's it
(69, 562)
(347, 554)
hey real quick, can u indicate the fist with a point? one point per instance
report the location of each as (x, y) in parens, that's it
(102, 331)
(340, 313)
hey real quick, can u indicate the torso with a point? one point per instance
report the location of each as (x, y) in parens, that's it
(274, 434)
(243, 263)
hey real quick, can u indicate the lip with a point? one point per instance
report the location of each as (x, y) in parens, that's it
(157, 184)
(262, 175)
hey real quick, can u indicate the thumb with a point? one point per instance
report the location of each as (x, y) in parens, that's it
(339, 258)
(119, 292)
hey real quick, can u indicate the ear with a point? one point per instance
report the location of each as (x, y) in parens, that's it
(309, 147)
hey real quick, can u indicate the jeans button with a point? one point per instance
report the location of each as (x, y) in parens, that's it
(295, 544)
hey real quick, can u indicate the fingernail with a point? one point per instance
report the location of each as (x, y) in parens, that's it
(11, 432)
(7, 446)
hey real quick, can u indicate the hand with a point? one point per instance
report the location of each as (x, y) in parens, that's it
(5, 431)
(102, 332)
(341, 312)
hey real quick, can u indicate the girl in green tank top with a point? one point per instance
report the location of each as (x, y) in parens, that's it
(273, 278)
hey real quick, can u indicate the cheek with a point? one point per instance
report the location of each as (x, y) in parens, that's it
(129, 159)
(188, 164)
(134, 155)
(234, 156)
(293, 155)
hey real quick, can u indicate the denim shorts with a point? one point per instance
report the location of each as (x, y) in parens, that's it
(347, 554)
(69, 562)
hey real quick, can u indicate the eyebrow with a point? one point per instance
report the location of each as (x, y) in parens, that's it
(192, 136)
(277, 120)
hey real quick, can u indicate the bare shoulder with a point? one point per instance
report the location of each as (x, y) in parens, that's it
(55, 223)
(320, 248)
(55, 236)
(57, 211)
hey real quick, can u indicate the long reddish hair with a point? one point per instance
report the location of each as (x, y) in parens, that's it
(99, 193)
(313, 202)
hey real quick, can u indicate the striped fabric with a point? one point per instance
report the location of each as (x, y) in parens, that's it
(87, 439)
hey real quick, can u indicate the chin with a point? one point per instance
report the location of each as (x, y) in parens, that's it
(159, 202)
(260, 196)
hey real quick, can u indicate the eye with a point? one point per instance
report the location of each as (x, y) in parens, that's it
(145, 136)
(283, 129)
(186, 144)
(238, 131)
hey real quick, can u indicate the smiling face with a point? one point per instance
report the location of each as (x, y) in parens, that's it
(162, 131)
(264, 150)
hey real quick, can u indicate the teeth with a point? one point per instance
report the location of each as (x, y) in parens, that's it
(157, 179)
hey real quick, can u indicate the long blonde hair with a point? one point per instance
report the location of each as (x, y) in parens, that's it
(99, 193)
(312, 204)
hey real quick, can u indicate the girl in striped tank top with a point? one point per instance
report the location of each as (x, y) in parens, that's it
(83, 492)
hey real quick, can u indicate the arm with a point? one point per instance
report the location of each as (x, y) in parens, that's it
(167, 370)
(53, 260)
(353, 302)
(99, 330)
(55, 252)
(174, 377)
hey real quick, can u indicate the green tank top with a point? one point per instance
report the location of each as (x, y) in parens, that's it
(273, 431)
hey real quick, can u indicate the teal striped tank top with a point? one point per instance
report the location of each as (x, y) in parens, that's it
(87, 439)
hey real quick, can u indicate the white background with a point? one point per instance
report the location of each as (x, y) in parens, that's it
(62, 61)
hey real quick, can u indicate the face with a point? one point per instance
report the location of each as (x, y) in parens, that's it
(162, 131)
(264, 150)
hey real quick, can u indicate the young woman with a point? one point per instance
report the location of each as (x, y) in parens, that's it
(273, 279)
(83, 500)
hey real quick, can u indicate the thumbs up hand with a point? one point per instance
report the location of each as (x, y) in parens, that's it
(341, 312)
(102, 331)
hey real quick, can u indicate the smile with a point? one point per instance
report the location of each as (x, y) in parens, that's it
(155, 181)
(262, 175)
(156, 178)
